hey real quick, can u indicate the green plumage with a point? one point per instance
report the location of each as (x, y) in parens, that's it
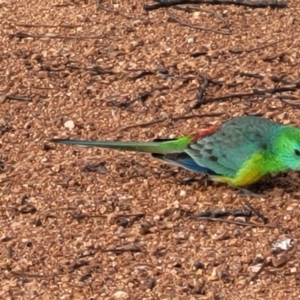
(234, 143)
(240, 152)
(170, 146)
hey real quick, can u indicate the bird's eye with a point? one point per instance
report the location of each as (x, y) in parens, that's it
(297, 152)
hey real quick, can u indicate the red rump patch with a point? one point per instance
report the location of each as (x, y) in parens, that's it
(204, 132)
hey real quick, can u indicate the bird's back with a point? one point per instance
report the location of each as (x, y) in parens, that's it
(233, 143)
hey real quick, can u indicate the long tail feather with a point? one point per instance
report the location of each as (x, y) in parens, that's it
(159, 147)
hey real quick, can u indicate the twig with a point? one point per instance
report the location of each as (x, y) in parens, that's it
(296, 105)
(145, 124)
(76, 265)
(186, 117)
(80, 216)
(23, 274)
(183, 117)
(14, 97)
(255, 92)
(126, 248)
(94, 70)
(273, 78)
(141, 74)
(235, 222)
(172, 17)
(225, 213)
(22, 35)
(272, 57)
(288, 97)
(240, 51)
(198, 53)
(263, 46)
(143, 96)
(251, 3)
(200, 96)
(256, 212)
(226, 97)
(46, 26)
(251, 75)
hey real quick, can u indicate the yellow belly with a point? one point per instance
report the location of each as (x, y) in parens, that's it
(249, 173)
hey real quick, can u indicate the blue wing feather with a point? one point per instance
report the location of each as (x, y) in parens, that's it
(185, 161)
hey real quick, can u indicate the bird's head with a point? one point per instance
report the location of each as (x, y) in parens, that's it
(287, 148)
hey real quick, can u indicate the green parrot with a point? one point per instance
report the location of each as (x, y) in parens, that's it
(240, 152)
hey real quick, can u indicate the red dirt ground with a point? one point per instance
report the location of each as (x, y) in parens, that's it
(124, 231)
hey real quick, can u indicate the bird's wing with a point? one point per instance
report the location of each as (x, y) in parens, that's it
(235, 142)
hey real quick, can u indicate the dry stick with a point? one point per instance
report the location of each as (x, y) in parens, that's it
(235, 222)
(141, 74)
(186, 117)
(240, 51)
(145, 124)
(256, 212)
(123, 249)
(288, 97)
(23, 35)
(198, 53)
(264, 46)
(15, 97)
(200, 97)
(225, 213)
(81, 216)
(272, 57)
(143, 96)
(251, 75)
(273, 78)
(256, 92)
(47, 26)
(296, 105)
(183, 117)
(171, 16)
(251, 3)
(95, 70)
(30, 275)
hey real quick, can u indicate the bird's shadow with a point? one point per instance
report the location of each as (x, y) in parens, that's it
(288, 183)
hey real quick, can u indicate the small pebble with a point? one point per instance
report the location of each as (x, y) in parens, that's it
(191, 40)
(69, 124)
